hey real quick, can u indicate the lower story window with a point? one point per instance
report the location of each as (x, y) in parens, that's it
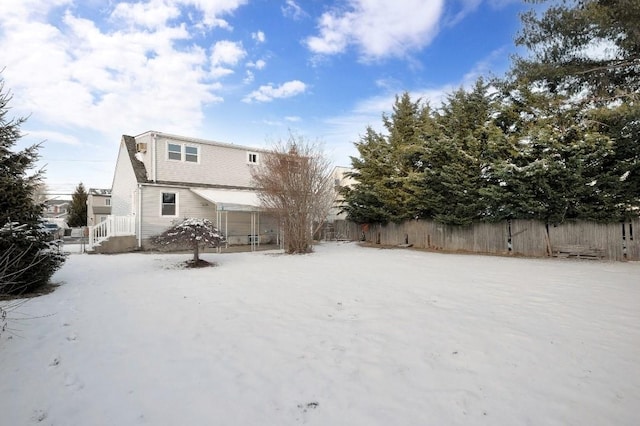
(169, 204)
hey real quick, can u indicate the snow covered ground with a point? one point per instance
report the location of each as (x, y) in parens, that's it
(345, 336)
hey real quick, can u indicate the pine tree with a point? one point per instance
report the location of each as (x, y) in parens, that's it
(363, 202)
(558, 169)
(584, 61)
(78, 207)
(32, 258)
(589, 48)
(461, 160)
(391, 166)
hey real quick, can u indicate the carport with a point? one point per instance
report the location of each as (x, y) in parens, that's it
(232, 201)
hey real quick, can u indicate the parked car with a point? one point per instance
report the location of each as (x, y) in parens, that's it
(53, 228)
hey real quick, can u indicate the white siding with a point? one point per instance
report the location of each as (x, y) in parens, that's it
(217, 164)
(189, 205)
(123, 191)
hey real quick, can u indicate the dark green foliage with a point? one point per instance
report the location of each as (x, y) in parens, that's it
(591, 47)
(78, 207)
(558, 140)
(33, 257)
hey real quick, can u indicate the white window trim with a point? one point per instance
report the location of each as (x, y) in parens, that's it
(249, 154)
(167, 152)
(177, 203)
(183, 152)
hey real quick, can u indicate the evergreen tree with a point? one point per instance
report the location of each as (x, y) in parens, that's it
(558, 169)
(32, 257)
(363, 202)
(585, 47)
(585, 59)
(621, 169)
(78, 207)
(463, 157)
(391, 166)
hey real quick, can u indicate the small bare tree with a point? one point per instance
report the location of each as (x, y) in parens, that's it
(294, 183)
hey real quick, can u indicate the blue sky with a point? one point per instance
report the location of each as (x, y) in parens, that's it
(238, 71)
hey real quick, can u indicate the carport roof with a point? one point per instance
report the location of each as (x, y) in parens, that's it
(230, 199)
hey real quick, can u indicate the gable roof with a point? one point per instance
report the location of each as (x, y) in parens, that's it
(138, 166)
(100, 191)
(202, 141)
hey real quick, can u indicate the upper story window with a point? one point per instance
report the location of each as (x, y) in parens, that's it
(191, 154)
(174, 151)
(183, 152)
(107, 202)
(252, 158)
(169, 205)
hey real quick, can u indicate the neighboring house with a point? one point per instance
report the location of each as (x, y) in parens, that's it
(161, 178)
(98, 205)
(56, 209)
(340, 179)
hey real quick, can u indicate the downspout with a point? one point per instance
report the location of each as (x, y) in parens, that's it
(139, 215)
(154, 161)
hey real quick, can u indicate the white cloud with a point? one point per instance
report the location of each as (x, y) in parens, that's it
(153, 14)
(73, 73)
(53, 137)
(268, 92)
(292, 10)
(249, 77)
(258, 36)
(377, 28)
(259, 64)
(212, 10)
(468, 6)
(293, 119)
(227, 52)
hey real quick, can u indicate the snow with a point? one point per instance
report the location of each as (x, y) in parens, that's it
(344, 336)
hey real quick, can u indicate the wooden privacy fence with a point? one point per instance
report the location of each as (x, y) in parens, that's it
(613, 241)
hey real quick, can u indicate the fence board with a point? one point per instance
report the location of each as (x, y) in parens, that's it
(528, 237)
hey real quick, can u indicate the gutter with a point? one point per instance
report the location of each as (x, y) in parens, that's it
(139, 213)
(154, 161)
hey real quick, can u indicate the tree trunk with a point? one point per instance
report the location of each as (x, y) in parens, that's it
(196, 250)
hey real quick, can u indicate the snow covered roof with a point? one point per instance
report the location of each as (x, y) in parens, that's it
(230, 199)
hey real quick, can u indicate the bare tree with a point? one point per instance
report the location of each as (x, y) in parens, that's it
(294, 183)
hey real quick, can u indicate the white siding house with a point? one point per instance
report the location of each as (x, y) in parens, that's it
(161, 178)
(98, 205)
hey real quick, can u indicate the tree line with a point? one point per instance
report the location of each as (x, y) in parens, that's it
(556, 139)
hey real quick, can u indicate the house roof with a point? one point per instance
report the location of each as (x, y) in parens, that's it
(138, 166)
(100, 191)
(56, 202)
(230, 199)
(201, 141)
(101, 209)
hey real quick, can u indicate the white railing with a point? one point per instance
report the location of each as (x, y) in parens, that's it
(112, 226)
